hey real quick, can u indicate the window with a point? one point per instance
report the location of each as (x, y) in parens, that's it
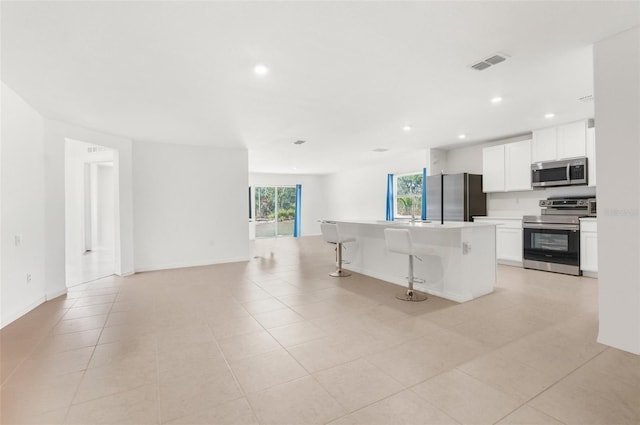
(408, 195)
(275, 208)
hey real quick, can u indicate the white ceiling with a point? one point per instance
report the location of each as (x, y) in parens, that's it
(344, 76)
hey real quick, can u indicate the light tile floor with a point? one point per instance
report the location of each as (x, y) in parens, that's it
(90, 266)
(277, 341)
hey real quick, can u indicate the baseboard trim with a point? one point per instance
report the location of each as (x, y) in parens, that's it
(55, 294)
(438, 292)
(513, 263)
(15, 315)
(183, 265)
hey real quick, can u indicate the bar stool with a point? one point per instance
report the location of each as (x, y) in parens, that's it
(331, 234)
(400, 242)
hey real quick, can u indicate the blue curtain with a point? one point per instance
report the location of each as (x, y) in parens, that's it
(296, 220)
(424, 194)
(389, 197)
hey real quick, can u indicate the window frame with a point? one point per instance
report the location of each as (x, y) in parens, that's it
(416, 196)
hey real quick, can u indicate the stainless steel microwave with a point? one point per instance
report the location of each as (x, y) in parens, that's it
(567, 172)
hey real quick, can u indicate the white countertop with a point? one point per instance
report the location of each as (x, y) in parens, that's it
(491, 217)
(435, 225)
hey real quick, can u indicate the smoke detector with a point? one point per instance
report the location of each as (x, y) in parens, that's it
(490, 61)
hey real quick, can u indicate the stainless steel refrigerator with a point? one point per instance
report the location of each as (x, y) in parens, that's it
(463, 197)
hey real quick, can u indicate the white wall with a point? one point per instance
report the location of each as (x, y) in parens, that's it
(104, 211)
(361, 193)
(190, 205)
(617, 114)
(23, 207)
(314, 199)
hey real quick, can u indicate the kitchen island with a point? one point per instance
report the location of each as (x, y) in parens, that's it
(461, 266)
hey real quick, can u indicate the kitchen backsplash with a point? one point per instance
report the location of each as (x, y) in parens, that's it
(517, 204)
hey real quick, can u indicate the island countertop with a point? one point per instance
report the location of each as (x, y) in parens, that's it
(460, 265)
(420, 224)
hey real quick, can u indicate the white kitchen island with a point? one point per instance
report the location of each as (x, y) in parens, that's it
(463, 266)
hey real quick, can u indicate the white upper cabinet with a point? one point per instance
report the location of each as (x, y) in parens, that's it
(493, 173)
(507, 167)
(561, 142)
(591, 156)
(572, 140)
(518, 166)
(544, 145)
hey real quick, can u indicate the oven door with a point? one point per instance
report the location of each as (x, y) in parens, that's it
(552, 243)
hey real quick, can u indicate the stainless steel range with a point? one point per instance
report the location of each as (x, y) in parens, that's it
(552, 240)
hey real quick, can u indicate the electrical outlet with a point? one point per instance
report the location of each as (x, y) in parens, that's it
(28, 277)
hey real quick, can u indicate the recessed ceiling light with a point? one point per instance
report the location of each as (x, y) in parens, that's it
(407, 128)
(299, 142)
(462, 136)
(549, 115)
(261, 69)
(496, 99)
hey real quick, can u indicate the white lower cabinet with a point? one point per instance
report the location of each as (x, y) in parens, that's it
(508, 239)
(509, 244)
(589, 246)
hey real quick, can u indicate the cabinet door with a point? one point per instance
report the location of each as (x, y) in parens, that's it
(572, 140)
(518, 166)
(591, 156)
(493, 169)
(509, 244)
(589, 251)
(543, 145)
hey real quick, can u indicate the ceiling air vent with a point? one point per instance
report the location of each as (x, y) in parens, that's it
(481, 65)
(495, 59)
(490, 61)
(587, 98)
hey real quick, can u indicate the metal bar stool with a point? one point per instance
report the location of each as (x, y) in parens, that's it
(400, 242)
(331, 234)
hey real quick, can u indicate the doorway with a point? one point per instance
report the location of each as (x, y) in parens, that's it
(90, 211)
(275, 210)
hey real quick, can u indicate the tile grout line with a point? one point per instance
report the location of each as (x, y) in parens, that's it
(558, 381)
(235, 378)
(84, 371)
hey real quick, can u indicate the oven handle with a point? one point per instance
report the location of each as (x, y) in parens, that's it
(551, 226)
(568, 173)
